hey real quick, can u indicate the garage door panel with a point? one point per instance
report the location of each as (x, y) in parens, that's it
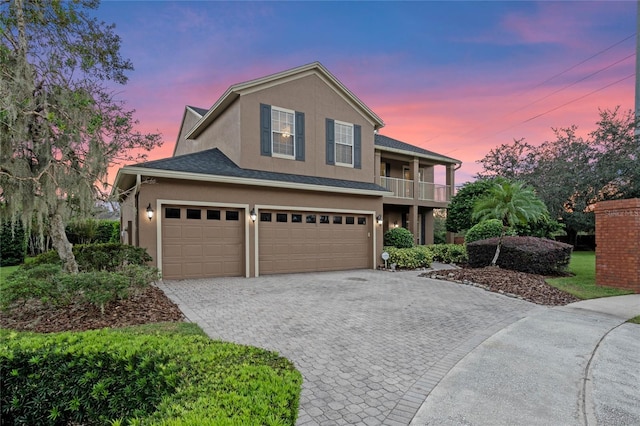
(197, 248)
(286, 247)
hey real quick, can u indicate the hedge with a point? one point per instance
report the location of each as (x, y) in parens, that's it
(399, 237)
(13, 244)
(409, 258)
(128, 377)
(483, 230)
(98, 257)
(525, 254)
(448, 253)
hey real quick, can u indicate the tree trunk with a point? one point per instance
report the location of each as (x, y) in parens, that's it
(62, 244)
(495, 256)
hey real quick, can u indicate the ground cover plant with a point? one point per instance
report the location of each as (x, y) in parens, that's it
(155, 374)
(582, 281)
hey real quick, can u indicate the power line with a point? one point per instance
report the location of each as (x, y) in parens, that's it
(577, 99)
(547, 81)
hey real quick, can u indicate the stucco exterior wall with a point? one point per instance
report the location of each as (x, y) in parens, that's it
(224, 133)
(184, 146)
(317, 101)
(192, 192)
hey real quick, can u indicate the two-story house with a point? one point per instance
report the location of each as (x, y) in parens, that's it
(285, 173)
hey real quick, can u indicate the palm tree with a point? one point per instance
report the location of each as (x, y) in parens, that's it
(512, 203)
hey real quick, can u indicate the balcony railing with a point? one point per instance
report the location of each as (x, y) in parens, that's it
(403, 188)
(433, 192)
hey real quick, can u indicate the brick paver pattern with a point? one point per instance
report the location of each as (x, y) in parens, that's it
(370, 345)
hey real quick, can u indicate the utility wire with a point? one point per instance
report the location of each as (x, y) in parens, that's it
(577, 99)
(547, 81)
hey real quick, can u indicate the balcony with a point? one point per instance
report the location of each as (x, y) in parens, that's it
(403, 188)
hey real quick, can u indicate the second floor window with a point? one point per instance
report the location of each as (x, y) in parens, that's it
(344, 143)
(282, 132)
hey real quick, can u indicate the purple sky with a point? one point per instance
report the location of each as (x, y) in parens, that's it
(457, 78)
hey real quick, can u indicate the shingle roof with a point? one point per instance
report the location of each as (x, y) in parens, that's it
(387, 142)
(201, 111)
(214, 162)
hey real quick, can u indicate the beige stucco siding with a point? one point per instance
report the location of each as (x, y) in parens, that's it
(317, 101)
(179, 192)
(188, 146)
(224, 133)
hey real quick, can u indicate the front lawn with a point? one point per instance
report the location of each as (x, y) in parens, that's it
(583, 283)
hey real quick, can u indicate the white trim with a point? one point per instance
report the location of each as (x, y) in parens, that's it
(234, 91)
(170, 174)
(292, 133)
(370, 213)
(440, 159)
(161, 202)
(335, 141)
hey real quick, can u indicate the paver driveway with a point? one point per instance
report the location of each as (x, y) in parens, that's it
(371, 345)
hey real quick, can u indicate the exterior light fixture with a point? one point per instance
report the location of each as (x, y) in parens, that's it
(149, 212)
(253, 215)
(379, 219)
(395, 224)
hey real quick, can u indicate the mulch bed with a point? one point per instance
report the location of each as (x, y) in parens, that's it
(148, 305)
(530, 287)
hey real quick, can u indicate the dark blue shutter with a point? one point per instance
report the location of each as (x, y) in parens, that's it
(265, 130)
(357, 146)
(331, 143)
(299, 136)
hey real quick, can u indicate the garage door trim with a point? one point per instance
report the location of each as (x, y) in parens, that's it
(162, 202)
(369, 213)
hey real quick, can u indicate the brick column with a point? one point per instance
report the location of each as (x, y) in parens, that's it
(618, 244)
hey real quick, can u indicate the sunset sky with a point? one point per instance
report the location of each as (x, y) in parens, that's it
(457, 78)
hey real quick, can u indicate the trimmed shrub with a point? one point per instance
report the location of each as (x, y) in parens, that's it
(99, 257)
(92, 231)
(483, 230)
(409, 258)
(525, 254)
(398, 237)
(49, 284)
(132, 377)
(448, 253)
(13, 244)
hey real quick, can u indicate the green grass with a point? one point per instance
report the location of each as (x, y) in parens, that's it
(635, 320)
(5, 271)
(583, 283)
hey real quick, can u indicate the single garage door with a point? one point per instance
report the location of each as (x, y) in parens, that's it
(202, 242)
(310, 241)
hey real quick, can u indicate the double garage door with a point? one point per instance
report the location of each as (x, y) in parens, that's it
(202, 242)
(309, 241)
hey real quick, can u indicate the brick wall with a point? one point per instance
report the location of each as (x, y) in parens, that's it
(618, 244)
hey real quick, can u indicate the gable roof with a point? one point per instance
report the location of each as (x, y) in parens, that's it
(316, 68)
(213, 166)
(199, 111)
(386, 143)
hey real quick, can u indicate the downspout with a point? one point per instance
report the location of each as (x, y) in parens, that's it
(135, 208)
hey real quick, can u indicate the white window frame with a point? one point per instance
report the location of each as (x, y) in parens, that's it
(335, 139)
(293, 133)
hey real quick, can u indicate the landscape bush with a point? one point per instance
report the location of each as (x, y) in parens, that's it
(135, 376)
(409, 258)
(13, 244)
(525, 254)
(98, 257)
(399, 237)
(54, 287)
(448, 253)
(483, 230)
(93, 231)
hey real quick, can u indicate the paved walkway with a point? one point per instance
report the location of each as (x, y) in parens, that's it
(380, 348)
(371, 345)
(572, 365)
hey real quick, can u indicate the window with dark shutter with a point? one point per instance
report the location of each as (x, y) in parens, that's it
(331, 145)
(265, 130)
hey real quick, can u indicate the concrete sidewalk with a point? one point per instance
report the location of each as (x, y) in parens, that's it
(572, 365)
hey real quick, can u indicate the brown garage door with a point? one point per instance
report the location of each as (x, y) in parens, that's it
(310, 241)
(202, 242)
